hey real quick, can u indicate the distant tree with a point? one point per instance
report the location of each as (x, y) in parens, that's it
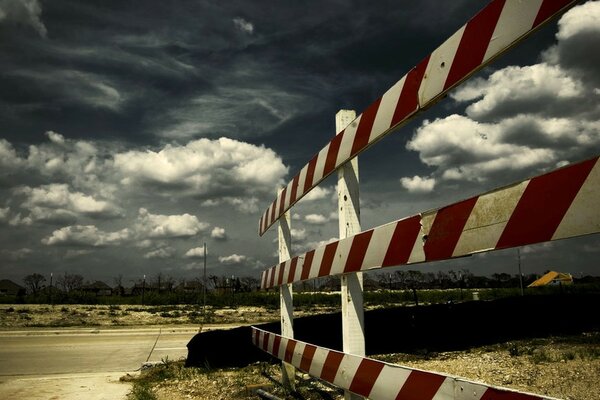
(34, 282)
(70, 282)
(249, 284)
(118, 281)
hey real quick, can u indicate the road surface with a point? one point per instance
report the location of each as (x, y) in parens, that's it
(82, 363)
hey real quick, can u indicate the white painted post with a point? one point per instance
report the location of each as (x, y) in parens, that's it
(286, 305)
(353, 321)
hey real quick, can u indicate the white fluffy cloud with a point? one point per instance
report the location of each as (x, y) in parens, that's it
(146, 229)
(85, 235)
(206, 166)
(218, 233)
(23, 12)
(196, 252)
(4, 214)
(163, 252)
(243, 25)
(520, 120)
(315, 219)
(56, 200)
(298, 234)
(233, 259)
(418, 184)
(318, 193)
(168, 226)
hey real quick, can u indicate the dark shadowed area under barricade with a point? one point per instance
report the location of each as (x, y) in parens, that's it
(422, 329)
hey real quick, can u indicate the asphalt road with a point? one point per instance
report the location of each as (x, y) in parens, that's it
(31, 359)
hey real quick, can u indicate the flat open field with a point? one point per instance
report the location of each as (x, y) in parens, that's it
(561, 366)
(14, 316)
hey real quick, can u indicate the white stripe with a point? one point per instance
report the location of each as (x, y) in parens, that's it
(282, 346)
(286, 271)
(468, 390)
(488, 220)
(278, 204)
(288, 194)
(301, 181)
(316, 263)
(438, 68)
(347, 141)
(346, 371)
(378, 246)
(386, 110)
(515, 20)
(298, 350)
(271, 341)
(341, 255)
(299, 265)
(389, 382)
(320, 165)
(583, 215)
(446, 390)
(316, 366)
(275, 275)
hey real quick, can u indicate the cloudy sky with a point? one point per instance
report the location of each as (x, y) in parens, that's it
(131, 134)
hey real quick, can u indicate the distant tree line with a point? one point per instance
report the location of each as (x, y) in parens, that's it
(230, 290)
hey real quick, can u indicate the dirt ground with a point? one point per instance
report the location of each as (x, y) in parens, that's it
(560, 367)
(14, 316)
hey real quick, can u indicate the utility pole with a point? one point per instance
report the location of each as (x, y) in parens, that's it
(204, 287)
(143, 288)
(520, 273)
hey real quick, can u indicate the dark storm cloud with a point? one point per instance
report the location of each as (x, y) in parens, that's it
(131, 132)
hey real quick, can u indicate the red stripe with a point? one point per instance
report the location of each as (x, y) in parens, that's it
(310, 172)
(420, 386)
(280, 277)
(276, 344)
(328, 256)
(273, 211)
(408, 103)
(403, 241)
(361, 139)
(548, 9)
(332, 153)
(292, 273)
(358, 250)
(474, 42)
(446, 229)
(289, 351)
(282, 201)
(265, 343)
(272, 280)
(367, 373)
(308, 259)
(307, 357)
(543, 205)
(294, 189)
(331, 365)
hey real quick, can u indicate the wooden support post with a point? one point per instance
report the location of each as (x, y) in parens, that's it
(353, 322)
(286, 306)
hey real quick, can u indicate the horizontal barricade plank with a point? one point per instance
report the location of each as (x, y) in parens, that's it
(374, 379)
(557, 205)
(497, 27)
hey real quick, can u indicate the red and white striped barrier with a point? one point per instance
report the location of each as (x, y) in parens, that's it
(374, 379)
(500, 25)
(560, 204)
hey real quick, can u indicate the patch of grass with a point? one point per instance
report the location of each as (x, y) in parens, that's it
(141, 391)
